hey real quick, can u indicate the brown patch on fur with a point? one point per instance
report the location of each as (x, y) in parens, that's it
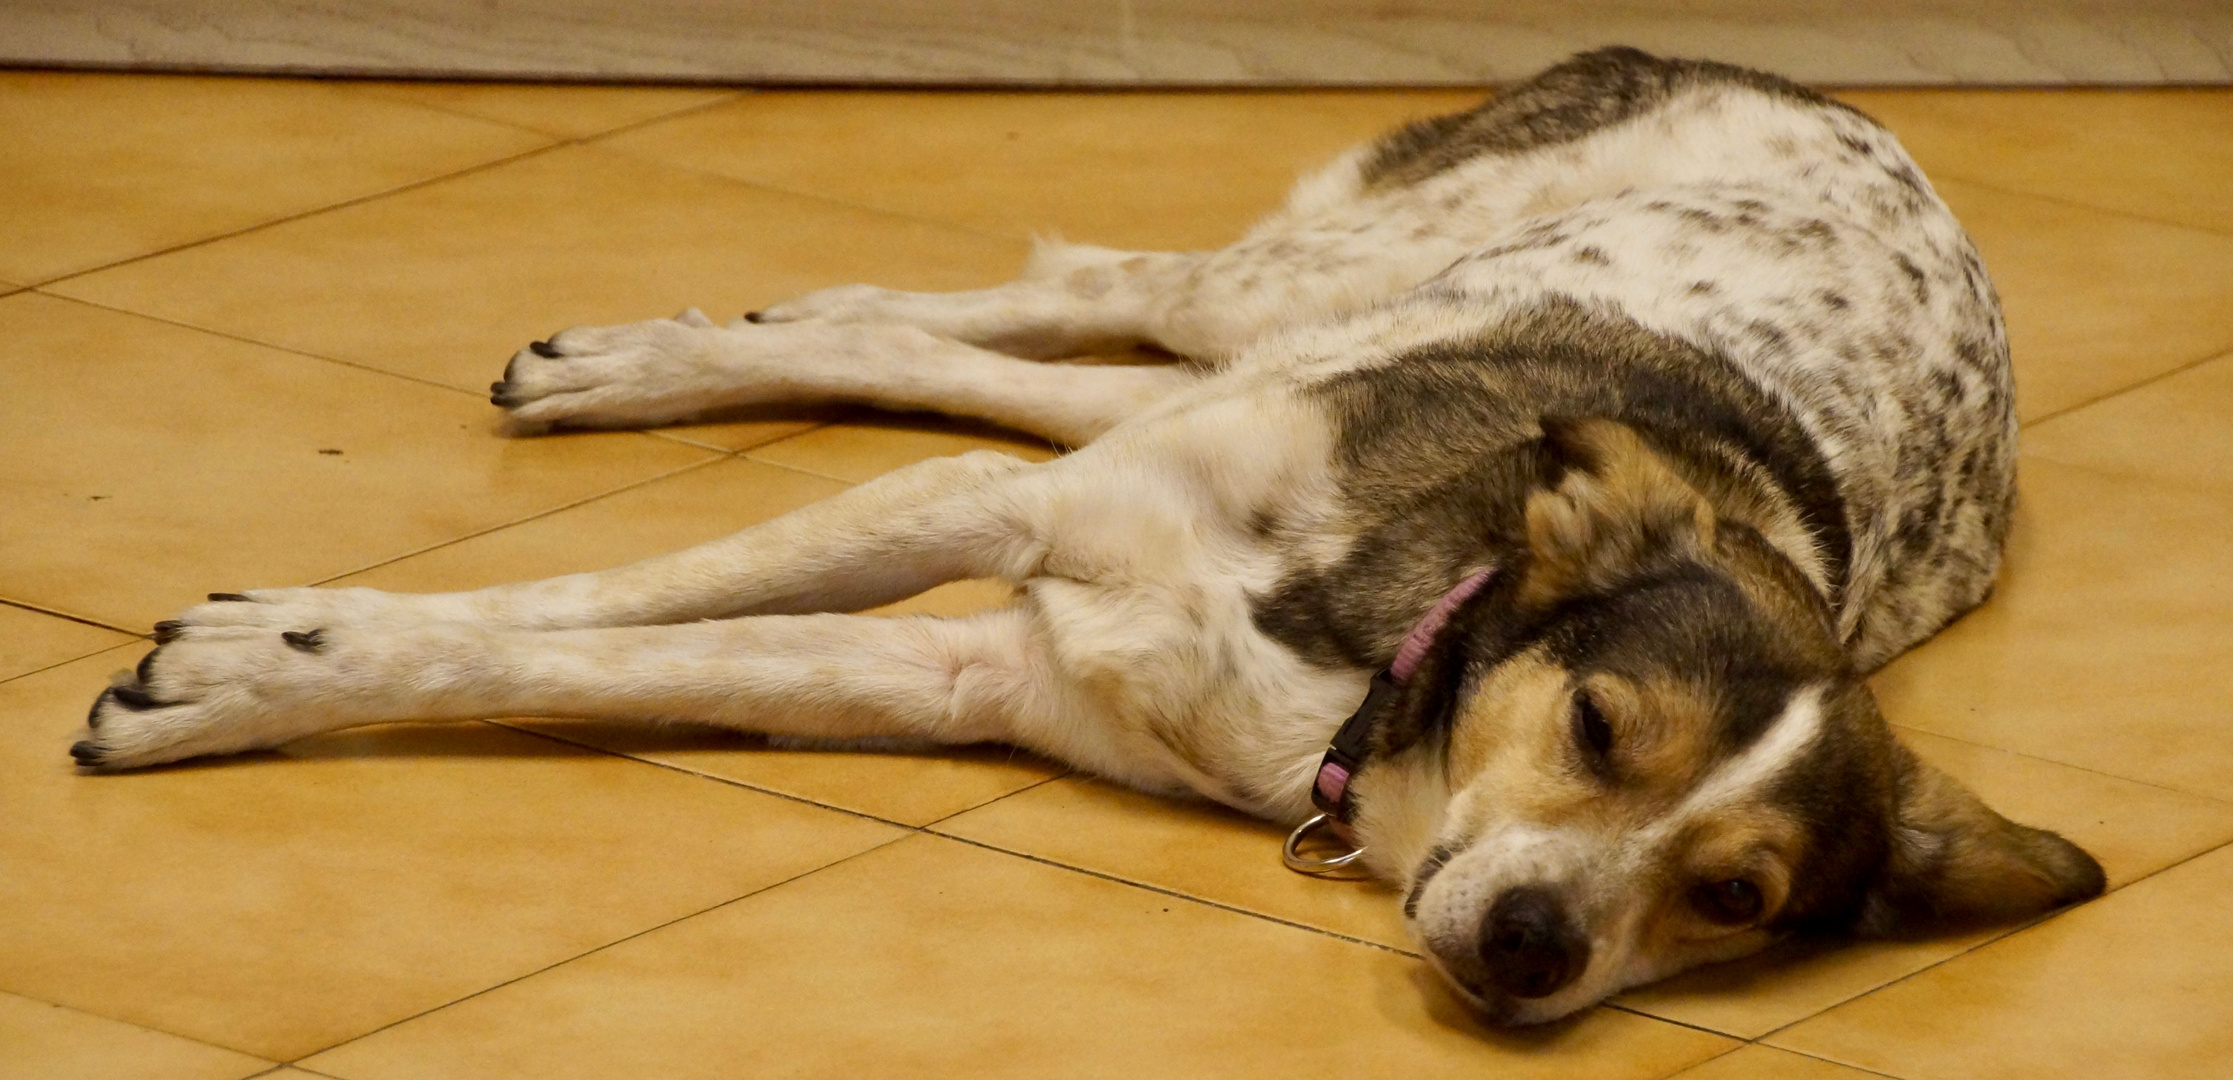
(1620, 505)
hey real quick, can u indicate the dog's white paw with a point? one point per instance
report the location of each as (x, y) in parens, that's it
(211, 690)
(295, 608)
(841, 304)
(632, 375)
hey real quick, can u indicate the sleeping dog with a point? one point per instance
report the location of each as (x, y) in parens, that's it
(1566, 463)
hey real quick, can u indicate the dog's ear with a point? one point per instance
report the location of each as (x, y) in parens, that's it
(1954, 862)
(1610, 502)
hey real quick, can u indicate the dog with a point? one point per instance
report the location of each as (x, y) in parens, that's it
(1599, 441)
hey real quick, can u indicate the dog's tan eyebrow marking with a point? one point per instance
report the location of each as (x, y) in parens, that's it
(1787, 737)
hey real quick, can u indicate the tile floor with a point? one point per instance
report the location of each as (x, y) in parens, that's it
(245, 327)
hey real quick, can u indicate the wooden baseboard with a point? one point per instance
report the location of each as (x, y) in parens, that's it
(1130, 42)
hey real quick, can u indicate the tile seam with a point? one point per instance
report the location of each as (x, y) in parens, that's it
(244, 339)
(2010, 932)
(381, 89)
(270, 1066)
(2065, 764)
(1164, 890)
(793, 193)
(358, 200)
(2214, 356)
(81, 619)
(2078, 204)
(535, 516)
(715, 777)
(492, 988)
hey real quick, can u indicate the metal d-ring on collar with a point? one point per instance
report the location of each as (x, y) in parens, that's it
(1329, 792)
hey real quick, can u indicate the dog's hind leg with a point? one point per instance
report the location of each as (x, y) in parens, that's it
(941, 520)
(216, 690)
(642, 374)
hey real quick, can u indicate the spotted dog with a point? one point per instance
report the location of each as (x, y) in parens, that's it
(1671, 390)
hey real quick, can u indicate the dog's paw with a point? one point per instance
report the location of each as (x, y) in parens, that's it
(632, 375)
(841, 304)
(287, 609)
(208, 690)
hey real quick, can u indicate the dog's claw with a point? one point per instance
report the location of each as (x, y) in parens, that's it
(86, 754)
(752, 316)
(227, 598)
(544, 349)
(306, 640)
(166, 632)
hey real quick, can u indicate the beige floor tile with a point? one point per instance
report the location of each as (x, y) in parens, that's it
(1758, 1062)
(1193, 848)
(2104, 645)
(49, 1042)
(107, 167)
(868, 447)
(931, 958)
(2158, 153)
(569, 112)
(445, 282)
(2136, 985)
(2173, 431)
(668, 514)
(30, 640)
(2133, 828)
(1137, 170)
(281, 902)
(2096, 302)
(147, 464)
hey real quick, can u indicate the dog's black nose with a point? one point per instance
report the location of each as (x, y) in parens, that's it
(1531, 948)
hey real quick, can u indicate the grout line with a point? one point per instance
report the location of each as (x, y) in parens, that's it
(1003, 797)
(2006, 934)
(556, 143)
(298, 216)
(381, 88)
(927, 830)
(715, 777)
(2059, 764)
(2151, 380)
(260, 343)
(1833, 1061)
(2075, 204)
(601, 948)
(1026, 239)
(1678, 1074)
(800, 469)
(583, 501)
(1611, 1005)
(144, 1026)
(1162, 890)
(73, 618)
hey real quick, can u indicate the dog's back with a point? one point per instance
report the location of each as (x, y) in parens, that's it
(1710, 215)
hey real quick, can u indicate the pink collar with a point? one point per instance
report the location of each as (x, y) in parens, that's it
(1346, 753)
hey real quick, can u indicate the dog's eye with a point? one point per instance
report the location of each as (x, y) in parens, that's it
(1594, 735)
(1730, 902)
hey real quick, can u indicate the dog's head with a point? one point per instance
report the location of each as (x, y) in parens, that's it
(1642, 748)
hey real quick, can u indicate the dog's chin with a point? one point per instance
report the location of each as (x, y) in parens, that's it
(1496, 1008)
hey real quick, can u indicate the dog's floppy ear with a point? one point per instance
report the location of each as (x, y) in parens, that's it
(1611, 503)
(1955, 862)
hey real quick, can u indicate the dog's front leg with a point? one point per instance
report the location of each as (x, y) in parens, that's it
(940, 520)
(229, 689)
